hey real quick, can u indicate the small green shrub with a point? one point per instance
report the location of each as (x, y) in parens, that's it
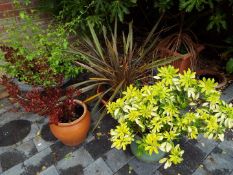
(36, 55)
(177, 105)
(104, 11)
(97, 12)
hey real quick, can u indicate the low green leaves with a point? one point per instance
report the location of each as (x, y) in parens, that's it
(177, 105)
(36, 55)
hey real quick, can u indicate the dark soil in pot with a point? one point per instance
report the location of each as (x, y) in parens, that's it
(78, 113)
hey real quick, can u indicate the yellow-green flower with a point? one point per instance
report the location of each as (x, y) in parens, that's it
(207, 85)
(167, 74)
(121, 136)
(152, 143)
(187, 79)
(133, 115)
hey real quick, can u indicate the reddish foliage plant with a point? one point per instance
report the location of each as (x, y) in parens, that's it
(28, 69)
(57, 103)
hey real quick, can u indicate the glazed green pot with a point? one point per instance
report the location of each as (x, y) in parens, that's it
(144, 156)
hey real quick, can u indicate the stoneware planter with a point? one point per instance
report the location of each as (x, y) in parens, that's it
(144, 156)
(27, 87)
(219, 77)
(75, 132)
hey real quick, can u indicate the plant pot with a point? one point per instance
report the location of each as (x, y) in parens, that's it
(144, 156)
(184, 63)
(218, 77)
(75, 132)
(23, 87)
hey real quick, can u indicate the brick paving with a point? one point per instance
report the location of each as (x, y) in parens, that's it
(28, 148)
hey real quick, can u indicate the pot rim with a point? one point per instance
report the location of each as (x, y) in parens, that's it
(220, 75)
(79, 119)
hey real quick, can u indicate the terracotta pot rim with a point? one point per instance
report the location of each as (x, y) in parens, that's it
(185, 56)
(202, 71)
(219, 75)
(77, 120)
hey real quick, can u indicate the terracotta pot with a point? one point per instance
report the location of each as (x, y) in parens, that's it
(75, 132)
(221, 79)
(185, 62)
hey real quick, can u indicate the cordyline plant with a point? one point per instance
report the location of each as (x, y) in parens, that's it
(160, 114)
(56, 103)
(116, 66)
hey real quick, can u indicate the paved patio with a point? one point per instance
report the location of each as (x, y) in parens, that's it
(28, 148)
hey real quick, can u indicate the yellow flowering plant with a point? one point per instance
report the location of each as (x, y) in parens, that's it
(176, 105)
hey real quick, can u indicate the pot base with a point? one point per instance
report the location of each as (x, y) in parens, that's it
(144, 156)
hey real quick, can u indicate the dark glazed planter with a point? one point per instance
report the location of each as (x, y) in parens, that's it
(144, 156)
(75, 132)
(23, 87)
(219, 77)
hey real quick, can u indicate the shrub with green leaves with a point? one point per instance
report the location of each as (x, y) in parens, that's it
(36, 55)
(104, 11)
(176, 105)
(213, 9)
(96, 12)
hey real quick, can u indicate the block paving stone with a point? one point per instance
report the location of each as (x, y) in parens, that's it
(39, 162)
(227, 94)
(75, 170)
(116, 159)
(205, 144)
(50, 171)
(99, 167)
(27, 148)
(218, 163)
(60, 150)
(98, 146)
(77, 159)
(143, 168)
(40, 153)
(126, 170)
(15, 170)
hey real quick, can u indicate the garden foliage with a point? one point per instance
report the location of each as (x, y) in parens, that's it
(175, 106)
(35, 54)
(56, 103)
(102, 11)
(115, 65)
